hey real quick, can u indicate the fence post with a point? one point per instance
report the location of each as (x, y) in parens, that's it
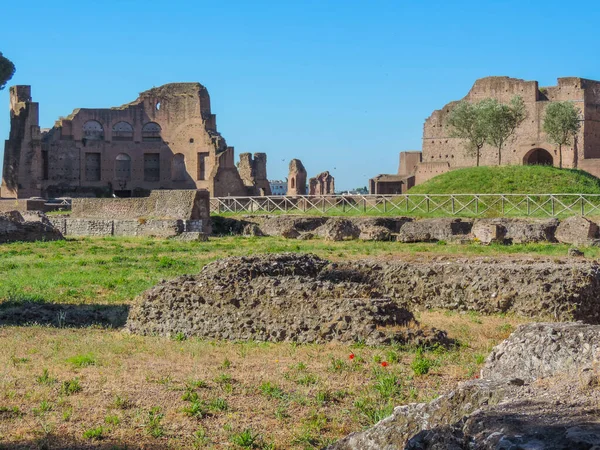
(552, 204)
(452, 197)
(476, 204)
(582, 205)
(528, 206)
(364, 204)
(384, 205)
(428, 203)
(406, 197)
(502, 202)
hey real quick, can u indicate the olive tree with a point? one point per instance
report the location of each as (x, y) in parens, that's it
(501, 121)
(561, 124)
(465, 121)
(7, 70)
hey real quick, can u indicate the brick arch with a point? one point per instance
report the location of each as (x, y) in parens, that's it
(538, 156)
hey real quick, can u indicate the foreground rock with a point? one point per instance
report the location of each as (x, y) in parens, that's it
(505, 412)
(286, 297)
(26, 227)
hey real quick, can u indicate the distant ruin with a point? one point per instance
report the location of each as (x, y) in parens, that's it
(166, 139)
(296, 178)
(322, 184)
(442, 153)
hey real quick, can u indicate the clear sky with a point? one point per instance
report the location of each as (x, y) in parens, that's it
(342, 85)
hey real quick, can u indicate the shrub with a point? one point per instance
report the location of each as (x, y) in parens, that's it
(421, 365)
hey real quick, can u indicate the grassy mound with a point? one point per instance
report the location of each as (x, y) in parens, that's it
(511, 180)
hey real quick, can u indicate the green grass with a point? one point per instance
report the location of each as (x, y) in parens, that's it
(511, 180)
(115, 270)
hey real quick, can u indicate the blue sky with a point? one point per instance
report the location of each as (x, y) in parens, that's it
(342, 85)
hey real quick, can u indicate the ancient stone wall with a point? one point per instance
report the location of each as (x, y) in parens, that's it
(322, 184)
(253, 171)
(166, 139)
(438, 146)
(296, 178)
(108, 227)
(167, 204)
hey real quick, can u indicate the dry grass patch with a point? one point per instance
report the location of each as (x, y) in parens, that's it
(77, 386)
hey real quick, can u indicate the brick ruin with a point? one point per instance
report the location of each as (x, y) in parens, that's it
(442, 153)
(166, 139)
(296, 178)
(322, 184)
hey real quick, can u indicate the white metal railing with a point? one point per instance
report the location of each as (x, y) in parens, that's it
(467, 205)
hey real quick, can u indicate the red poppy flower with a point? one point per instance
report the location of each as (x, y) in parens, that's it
(384, 364)
(351, 356)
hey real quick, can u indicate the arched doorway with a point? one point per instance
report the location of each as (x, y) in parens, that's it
(538, 156)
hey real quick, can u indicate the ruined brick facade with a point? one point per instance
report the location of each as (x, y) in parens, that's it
(166, 139)
(442, 153)
(296, 178)
(322, 184)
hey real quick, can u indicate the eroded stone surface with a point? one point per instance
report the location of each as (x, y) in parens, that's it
(506, 412)
(287, 297)
(14, 227)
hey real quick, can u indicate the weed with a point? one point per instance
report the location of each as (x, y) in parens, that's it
(372, 411)
(94, 433)
(270, 390)
(179, 337)
(44, 407)
(223, 379)
(67, 414)
(337, 365)
(70, 387)
(387, 385)
(226, 364)
(420, 364)
(82, 360)
(218, 404)
(246, 439)
(154, 422)
(121, 402)
(307, 379)
(197, 408)
(112, 420)
(196, 384)
(45, 378)
(200, 436)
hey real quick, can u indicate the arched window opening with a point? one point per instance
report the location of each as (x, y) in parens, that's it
(151, 132)
(123, 167)
(178, 170)
(93, 131)
(122, 131)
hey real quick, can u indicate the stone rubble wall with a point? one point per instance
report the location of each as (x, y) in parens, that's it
(163, 204)
(140, 227)
(304, 298)
(26, 227)
(286, 297)
(572, 230)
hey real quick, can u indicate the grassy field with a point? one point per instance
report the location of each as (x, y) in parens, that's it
(103, 388)
(115, 270)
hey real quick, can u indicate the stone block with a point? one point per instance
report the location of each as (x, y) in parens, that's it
(576, 230)
(486, 232)
(427, 230)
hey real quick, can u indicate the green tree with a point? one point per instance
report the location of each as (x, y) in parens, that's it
(466, 122)
(561, 124)
(7, 70)
(501, 121)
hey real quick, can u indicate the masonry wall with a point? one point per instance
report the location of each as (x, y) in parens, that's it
(439, 147)
(166, 139)
(122, 227)
(167, 204)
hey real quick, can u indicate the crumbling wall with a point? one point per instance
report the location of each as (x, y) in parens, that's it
(167, 204)
(296, 178)
(253, 172)
(322, 184)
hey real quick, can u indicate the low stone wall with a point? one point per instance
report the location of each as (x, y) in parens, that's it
(18, 226)
(69, 226)
(163, 204)
(572, 230)
(7, 205)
